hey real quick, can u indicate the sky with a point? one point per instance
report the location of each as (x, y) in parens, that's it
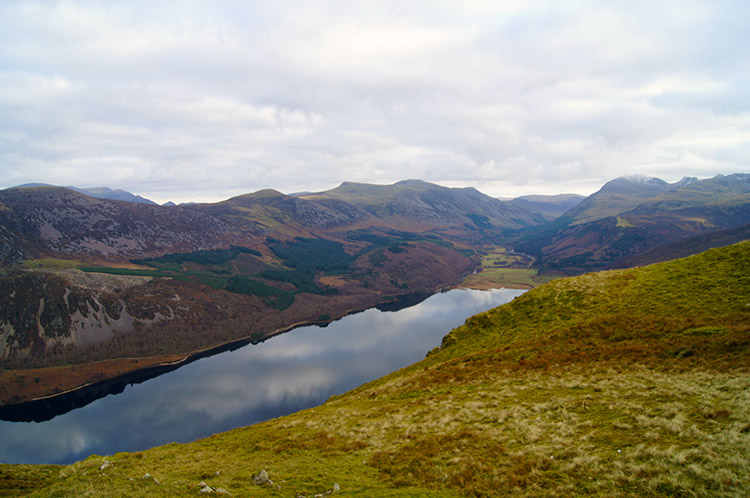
(205, 99)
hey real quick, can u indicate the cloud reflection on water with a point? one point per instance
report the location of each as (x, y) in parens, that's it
(287, 373)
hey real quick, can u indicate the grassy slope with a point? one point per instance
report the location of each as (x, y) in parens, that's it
(623, 383)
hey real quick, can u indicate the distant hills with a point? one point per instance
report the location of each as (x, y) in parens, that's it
(93, 279)
(620, 195)
(565, 232)
(549, 207)
(99, 193)
(414, 204)
(59, 222)
(123, 279)
(53, 221)
(631, 214)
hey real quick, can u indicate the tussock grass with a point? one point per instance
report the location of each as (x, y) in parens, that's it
(619, 384)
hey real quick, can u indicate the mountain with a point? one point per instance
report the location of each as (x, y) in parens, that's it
(630, 215)
(55, 222)
(117, 195)
(549, 207)
(269, 210)
(615, 197)
(620, 383)
(686, 247)
(58, 222)
(414, 205)
(89, 280)
(99, 193)
(92, 280)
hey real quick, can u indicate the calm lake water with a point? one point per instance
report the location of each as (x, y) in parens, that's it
(287, 373)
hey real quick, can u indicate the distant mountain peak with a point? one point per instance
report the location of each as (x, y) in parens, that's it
(686, 180)
(33, 185)
(98, 192)
(266, 193)
(413, 182)
(617, 196)
(638, 179)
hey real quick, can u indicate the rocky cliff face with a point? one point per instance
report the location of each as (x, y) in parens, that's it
(45, 311)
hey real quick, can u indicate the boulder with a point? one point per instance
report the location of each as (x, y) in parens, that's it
(261, 478)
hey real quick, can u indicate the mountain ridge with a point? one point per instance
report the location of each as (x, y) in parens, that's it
(626, 217)
(411, 205)
(309, 258)
(450, 210)
(98, 192)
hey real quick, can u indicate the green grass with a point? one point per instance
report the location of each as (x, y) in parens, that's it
(125, 271)
(502, 268)
(19, 480)
(623, 223)
(617, 384)
(512, 277)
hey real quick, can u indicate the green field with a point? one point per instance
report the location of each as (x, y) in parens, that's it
(502, 268)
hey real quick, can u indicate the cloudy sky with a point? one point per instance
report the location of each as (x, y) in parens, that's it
(205, 99)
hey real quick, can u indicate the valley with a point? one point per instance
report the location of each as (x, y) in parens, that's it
(502, 268)
(618, 383)
(100, 288)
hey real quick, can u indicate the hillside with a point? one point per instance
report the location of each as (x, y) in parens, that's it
(686, 247)
(100, 193)
(59, 222)
(621, 383)
(270, 210)
(414, 205)
(630, 215)
(67, 324)
(550, 207)
(617, 196)
(98, 288)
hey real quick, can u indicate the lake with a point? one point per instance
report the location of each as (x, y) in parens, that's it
(287, 373)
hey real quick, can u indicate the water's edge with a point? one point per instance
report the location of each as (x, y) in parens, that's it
(48, 407)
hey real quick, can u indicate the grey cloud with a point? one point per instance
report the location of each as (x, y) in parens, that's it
(216, 98)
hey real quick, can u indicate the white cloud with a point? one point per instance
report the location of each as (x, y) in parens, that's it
(209, 99)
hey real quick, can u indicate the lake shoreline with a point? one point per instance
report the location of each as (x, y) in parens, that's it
(186, 399)
(48, 406)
